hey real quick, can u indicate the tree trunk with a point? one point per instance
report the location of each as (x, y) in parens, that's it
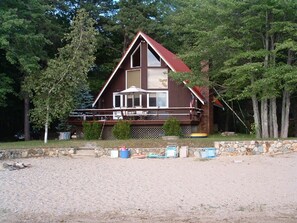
(264, 118)
(270, 126)
(273, 107)
(46, 123)
(126, 41)
(287, 119)
(285, 114)
(45, 132)
(286, 103)
(26, 117)
(294, 112)
(257, 120)
(264, 102)
(273, 114)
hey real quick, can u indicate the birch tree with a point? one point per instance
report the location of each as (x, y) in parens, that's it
(55, 88)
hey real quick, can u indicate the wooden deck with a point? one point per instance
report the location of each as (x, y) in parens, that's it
(145, 123)
(137, 116)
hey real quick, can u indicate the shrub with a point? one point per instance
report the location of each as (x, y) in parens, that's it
(172, 127)
(63, 126)
(91, 130)
(121, 130)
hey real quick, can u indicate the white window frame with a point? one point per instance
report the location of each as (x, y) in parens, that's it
(147, 57)
(140, 101)
(126, 78)
(117, 114)
(156, 92)
(121, 99)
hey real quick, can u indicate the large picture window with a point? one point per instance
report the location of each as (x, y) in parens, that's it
(158, 99)
(157, 78)
(133, 78)
(153, 59)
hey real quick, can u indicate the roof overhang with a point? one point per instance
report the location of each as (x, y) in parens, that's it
(196, 93)
(217, 103)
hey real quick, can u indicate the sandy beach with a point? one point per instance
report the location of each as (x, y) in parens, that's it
(258, 188)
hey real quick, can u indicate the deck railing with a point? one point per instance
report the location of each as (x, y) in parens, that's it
(189, 113)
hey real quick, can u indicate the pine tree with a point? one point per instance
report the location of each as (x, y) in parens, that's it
(251, 47)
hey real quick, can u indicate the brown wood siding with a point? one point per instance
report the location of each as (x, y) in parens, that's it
(179, 95)
(117, 84)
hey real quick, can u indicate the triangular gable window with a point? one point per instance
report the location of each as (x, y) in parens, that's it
(135, 57)
(153, 59)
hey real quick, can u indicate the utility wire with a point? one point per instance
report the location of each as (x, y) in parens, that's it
(231, 109)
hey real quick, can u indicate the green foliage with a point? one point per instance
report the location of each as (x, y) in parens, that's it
(84, 99)
(23, 39)
(91, 130)
(172, 127)
(247, 44)
(55, 89)
(253, 129)
(122, 130)
(20, 35)
(63, 126)
(234, 43)
(5, 88)
(140, 15)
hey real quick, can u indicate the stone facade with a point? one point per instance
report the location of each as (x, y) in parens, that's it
(223, 148)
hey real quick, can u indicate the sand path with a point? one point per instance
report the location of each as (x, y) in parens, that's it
(225, 189)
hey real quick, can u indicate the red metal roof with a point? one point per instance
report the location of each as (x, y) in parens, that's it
(175, 63)
(198, 92)
(217, 103)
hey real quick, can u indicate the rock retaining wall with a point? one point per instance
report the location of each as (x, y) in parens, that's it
(223, 148)
(37, 152)
(255, 147)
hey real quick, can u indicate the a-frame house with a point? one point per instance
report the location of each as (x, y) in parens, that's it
(141, 91)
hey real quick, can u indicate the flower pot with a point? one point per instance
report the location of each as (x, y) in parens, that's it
(125, 154)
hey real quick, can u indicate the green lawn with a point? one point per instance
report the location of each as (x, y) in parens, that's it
(132, 143)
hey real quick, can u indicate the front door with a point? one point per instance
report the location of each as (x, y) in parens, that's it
(117, 104)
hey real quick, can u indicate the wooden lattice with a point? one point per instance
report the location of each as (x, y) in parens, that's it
(144, 132)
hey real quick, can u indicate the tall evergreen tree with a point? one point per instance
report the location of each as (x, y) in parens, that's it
(25, 32)
(139, 15)
(243, 40)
